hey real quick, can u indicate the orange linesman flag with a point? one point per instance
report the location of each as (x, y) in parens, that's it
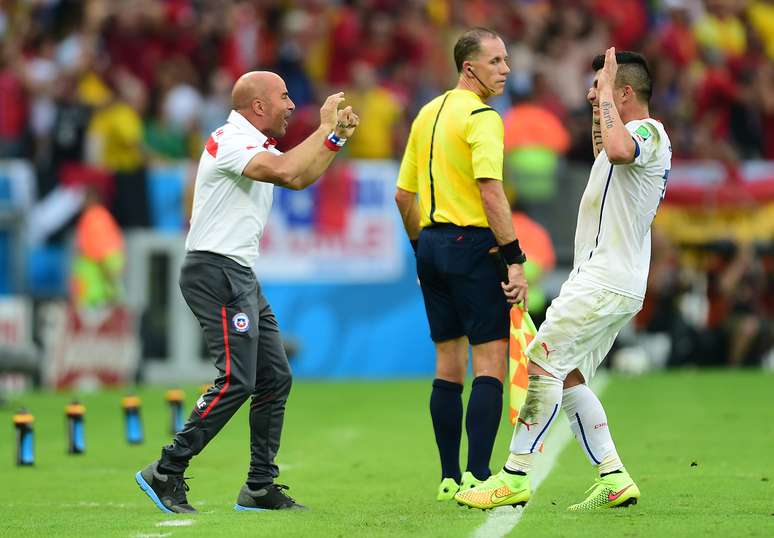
(522, 333)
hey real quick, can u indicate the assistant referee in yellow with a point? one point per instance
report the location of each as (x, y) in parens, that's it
(450, 195)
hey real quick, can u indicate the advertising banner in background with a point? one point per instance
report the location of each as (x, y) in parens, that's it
(89, 348)
(345, 228)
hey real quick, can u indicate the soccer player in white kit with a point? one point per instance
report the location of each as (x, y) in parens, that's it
(603, 292)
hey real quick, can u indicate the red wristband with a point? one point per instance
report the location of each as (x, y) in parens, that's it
(331, 145)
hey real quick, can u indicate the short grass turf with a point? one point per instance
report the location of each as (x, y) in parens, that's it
(362, 457)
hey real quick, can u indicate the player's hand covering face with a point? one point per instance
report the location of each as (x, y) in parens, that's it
(591, 97)
(606, 76)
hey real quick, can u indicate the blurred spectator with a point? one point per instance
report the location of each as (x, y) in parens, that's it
(676, 41)
(13, 104)
(571, 39)
(663, 310)
(99, 259)
(217, 102)
(381, 113)
(716, 90)
(719, 31)
(716, 310)
(115, 130)
(737, 293)
(764, 95)
(535, 141)
(290, 58)
(71, 122)
(541, 259)
(115, 143)
(344, 43)
(41, 73)
(627, 21)
(172, 129)
(761, 15)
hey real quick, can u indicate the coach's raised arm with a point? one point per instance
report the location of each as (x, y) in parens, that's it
(262, 99)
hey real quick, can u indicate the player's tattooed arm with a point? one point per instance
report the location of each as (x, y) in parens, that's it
(596, 135)
(616, 139)
(607, 113)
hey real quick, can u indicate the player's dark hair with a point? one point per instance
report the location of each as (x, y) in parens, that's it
(632, 70)
(469, 44)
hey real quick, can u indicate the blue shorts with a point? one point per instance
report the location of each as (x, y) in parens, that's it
(461, 285)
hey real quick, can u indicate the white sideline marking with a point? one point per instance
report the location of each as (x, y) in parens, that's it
(156, 535)
(175, 523)
(502, 520)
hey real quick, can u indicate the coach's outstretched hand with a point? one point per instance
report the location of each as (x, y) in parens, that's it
(329, 112)
(346, 122)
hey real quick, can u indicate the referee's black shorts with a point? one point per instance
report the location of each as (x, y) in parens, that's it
(461, 285)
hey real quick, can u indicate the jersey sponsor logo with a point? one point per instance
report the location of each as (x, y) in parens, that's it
(241, 322)
(613, 495)
(600, 425)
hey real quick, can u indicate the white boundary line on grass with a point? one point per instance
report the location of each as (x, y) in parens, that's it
(175, 523)
(502, 520)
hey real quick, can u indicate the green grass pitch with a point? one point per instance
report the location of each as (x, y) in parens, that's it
(362, 457)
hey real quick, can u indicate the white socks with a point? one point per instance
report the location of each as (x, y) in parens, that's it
(589, 424)
(544, 397)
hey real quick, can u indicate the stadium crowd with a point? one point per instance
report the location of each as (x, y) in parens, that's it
(101, 89)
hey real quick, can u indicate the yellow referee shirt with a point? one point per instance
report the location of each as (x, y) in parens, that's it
(455, 139)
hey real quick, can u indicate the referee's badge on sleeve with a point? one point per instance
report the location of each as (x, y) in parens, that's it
(241, 322)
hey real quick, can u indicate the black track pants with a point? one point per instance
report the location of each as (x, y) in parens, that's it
(243, 336)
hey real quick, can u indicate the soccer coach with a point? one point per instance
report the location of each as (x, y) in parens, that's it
(450, 196)
(238, 170)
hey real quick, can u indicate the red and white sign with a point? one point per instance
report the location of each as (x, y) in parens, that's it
(344, 229)
(98, 347)
(15, 322)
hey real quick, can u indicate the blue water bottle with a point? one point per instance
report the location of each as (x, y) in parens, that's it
(175, 399)
(76, 443)
(25, 437)
(131, 405)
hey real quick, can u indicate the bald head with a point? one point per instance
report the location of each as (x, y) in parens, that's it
(262, 98)
(254, 85)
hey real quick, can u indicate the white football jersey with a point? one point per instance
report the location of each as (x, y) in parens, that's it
(229, 209)
(612, 238)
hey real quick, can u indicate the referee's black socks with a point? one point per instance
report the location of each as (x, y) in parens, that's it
(485, 407)
(446, 412)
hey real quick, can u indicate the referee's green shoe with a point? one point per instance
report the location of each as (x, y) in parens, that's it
(611, 491)
(469, 481)
(447, 489)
